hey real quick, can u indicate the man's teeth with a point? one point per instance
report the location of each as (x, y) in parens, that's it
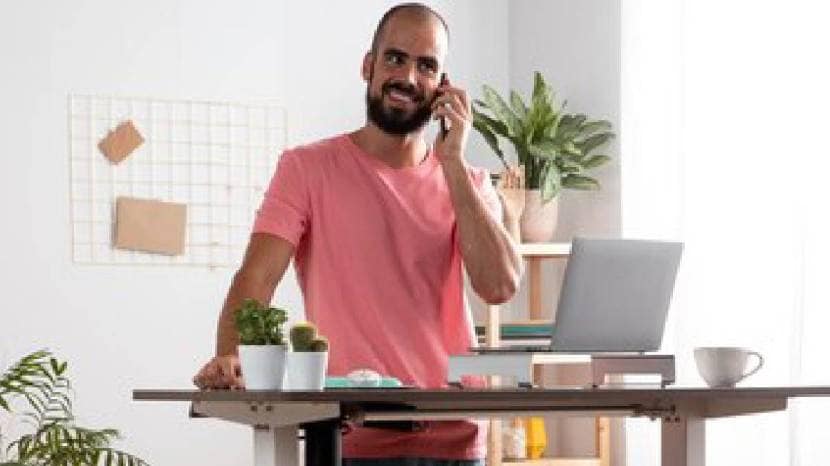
(400, 96)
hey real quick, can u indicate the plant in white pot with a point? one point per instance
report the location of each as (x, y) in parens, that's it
(308, 360)
(261, 345)
(555, 148)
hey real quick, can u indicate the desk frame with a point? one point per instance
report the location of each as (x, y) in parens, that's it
(276, 416)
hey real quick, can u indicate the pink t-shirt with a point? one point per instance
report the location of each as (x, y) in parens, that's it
(379, 266)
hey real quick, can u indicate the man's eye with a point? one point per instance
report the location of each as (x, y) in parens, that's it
(393, 59)
(427, 68)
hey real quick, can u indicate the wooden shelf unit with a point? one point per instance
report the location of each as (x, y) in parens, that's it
(534, 254)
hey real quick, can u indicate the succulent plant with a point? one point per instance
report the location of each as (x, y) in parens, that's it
(304, 338)
(320, 344)
(302, 334)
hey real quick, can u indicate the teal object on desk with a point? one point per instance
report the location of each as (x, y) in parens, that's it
(343, 382)
(521, 331)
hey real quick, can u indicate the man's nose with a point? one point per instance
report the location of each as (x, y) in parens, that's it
(407, 74)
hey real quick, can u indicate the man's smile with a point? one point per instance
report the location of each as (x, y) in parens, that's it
(399, 96)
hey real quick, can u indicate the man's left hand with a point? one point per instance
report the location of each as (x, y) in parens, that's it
(454, 105)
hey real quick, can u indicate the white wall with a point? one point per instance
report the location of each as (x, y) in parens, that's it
(652, 82)
(575, 44)
(128, 327)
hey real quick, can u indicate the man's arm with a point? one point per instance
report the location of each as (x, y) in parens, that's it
(264, 265)
(489, 253)
(490, 256)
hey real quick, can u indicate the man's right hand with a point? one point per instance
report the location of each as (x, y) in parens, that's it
(220, 372)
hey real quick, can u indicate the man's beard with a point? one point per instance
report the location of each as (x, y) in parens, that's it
(395, 120)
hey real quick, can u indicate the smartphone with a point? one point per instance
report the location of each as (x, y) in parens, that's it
(444, 129)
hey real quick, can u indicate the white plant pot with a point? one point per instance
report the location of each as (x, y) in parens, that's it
(307, 370)
(263, 366)
(538, 221)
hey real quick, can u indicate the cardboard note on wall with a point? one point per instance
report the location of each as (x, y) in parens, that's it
(121, 142)
(150, 226)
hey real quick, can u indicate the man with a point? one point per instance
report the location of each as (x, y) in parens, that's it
(379, 224)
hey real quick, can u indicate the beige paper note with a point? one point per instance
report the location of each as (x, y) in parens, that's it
(150, 226)
(121, 142)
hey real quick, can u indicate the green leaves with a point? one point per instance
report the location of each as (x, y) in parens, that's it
(489, 137)
(552, 182)
(544, 150)
(569, 127)
(592, 142)
(596, 161)
(61, 444)
(555, 147)
(502, 112)
(41, 380)
(591, 127)
(580, 182)
(518, 105)
(258, 324)
(542, 97)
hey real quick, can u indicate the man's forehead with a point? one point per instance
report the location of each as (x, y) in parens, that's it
(415, 35)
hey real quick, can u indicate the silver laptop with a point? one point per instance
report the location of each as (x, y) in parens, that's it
(615, 297)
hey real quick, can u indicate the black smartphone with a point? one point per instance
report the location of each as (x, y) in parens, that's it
(444, 129)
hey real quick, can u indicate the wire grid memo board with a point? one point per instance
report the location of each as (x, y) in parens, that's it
(215, 157)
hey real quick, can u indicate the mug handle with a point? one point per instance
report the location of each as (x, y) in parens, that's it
(757, 367)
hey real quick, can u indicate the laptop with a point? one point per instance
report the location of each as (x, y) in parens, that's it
(615, 298)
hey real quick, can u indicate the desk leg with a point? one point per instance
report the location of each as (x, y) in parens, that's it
(275, 446)
(683, 441)
(323, 443)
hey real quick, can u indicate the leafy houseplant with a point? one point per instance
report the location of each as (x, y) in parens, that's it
(261, 345)
(308, 362)
(41, 380)
(259, 325)
(556, 148)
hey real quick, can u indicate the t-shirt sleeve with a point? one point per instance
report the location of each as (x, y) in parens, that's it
(286, 207)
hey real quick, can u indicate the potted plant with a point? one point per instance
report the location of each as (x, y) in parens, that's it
(55, 439)
(555, 148)
(261, 346)
(308, 361)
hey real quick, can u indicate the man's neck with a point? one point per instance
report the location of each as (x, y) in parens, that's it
(395, 151)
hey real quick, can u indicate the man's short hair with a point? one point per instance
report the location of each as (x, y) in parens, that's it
(414, 7)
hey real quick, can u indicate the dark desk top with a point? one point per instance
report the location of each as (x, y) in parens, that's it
(434, 404)
(473, 396)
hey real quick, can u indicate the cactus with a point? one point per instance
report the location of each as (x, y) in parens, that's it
(320, 344)
(302, 335)
(304, 338)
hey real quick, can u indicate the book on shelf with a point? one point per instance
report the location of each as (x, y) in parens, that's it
(525, 330)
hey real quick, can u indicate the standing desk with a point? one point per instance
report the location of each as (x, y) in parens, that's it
(278, 416)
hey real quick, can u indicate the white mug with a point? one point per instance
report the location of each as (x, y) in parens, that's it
(724, 366)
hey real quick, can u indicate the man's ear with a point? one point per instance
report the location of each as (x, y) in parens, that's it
(366, 68)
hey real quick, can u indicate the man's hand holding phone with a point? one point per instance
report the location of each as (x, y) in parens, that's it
(452, 107)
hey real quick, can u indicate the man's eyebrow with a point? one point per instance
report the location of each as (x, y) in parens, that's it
(397, 52)
(431, 61)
